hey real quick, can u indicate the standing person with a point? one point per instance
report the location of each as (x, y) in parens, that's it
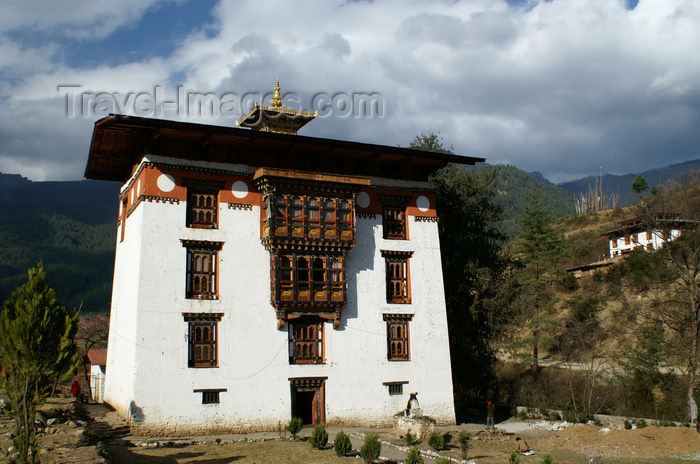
(490, 415)
(75, 390)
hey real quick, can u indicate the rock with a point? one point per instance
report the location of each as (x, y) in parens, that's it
(55, 421)
(79, 423)
(11, 450)
(421, 428)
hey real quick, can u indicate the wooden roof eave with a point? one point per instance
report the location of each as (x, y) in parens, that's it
(137, 133)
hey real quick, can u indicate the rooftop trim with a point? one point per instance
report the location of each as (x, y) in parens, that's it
(119, 142)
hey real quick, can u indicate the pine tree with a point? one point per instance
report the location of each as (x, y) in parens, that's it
(539, 248)
(36, 340)
(639, 185)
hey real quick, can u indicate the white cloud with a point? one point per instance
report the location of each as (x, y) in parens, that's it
(75, 18)
(561, 87)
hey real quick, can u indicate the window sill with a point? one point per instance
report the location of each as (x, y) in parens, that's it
(202, 226)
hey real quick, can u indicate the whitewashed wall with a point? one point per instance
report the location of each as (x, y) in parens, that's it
(147, 375)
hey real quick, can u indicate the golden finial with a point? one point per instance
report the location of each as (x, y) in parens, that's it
(276, 99)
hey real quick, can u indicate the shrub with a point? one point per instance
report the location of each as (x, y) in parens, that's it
(443, 461)
(628, 425)
(570, 415)
(371, 449)
(414, 456)
(569, 282)
(341, 444)
(641, 423)
(546, 459)
(295, 426)
(409, 438)
(103, 451)
(513, 459)
(463, 438)
(319, 437)
(436, 441)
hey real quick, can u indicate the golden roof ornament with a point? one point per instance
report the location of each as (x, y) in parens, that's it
(276, 99)
(274, 118)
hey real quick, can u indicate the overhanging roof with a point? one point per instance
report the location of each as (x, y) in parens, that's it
(119, 142)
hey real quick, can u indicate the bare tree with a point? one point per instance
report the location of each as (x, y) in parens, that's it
(678, 304)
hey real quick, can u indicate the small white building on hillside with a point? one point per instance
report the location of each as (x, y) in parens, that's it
(262, 275)
(635, 233)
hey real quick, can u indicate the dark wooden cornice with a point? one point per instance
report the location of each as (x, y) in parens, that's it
(119, 143)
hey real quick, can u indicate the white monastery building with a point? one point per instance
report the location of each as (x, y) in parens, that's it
(261, 275)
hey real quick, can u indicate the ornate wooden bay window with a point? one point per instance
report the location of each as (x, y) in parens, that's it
(310, 281)
(322, 221)
(308, 226)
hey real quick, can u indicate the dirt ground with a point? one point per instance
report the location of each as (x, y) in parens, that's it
(74, 441)
(649, 442)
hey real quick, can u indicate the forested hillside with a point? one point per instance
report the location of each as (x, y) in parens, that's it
(512, 187)
(622, 336)
(70, 226)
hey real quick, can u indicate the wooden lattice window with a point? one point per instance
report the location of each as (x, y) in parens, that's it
(397, 276)
(307, 279)
(394, 222)
(296, 209)
(397, 336)
(329, 211)
(336, 272)
(345, 211)
(314, 210)
(202, 339)
(303, 273)
(202, 207)
(306, 342)
(280, 209)
(202, 269)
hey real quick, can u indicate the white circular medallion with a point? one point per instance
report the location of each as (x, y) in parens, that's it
(166, 182)
(240, 189)
(362, 200)
(423, 203)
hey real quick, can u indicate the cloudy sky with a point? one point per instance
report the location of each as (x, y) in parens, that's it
(563, 87)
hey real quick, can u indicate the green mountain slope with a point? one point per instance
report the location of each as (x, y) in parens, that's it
(513, 185)
(622, 184)
(71, 227)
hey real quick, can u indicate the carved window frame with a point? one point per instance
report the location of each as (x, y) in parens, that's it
(306, 341)
(398, 336)
(202, 263)
(202, 339)
(398, 280)
(202, 203)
